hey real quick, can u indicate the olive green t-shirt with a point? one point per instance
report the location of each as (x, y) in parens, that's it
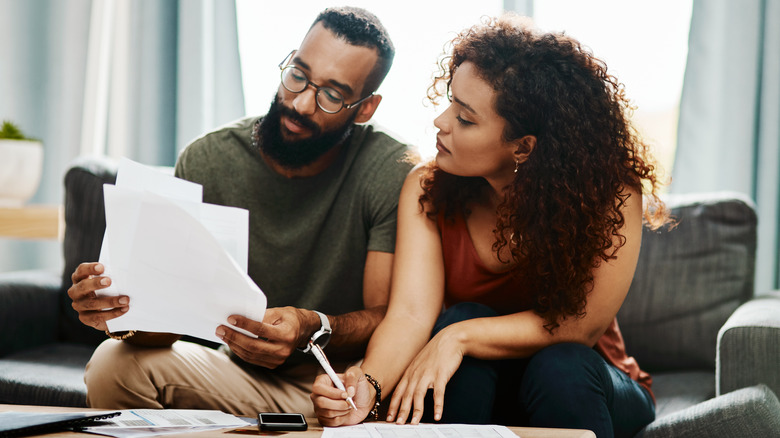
(308, 237)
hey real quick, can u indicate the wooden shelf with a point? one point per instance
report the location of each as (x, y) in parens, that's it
(32, 222)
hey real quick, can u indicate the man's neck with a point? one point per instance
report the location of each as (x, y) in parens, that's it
(307, 171)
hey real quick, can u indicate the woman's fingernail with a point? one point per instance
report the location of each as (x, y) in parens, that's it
(221, 333)
(123, 300)
(232, 321)
(104, 281)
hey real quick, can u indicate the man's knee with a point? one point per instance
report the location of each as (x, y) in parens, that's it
(106, 363)
(115, 369)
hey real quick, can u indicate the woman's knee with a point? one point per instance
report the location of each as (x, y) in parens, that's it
(563, 367)
(462, 312)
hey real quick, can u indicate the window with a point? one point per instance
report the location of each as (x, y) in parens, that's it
(643, 43)
(269, 30)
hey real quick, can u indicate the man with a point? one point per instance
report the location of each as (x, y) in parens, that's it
(322, 194)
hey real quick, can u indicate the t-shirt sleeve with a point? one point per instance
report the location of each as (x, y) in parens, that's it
(383, 190)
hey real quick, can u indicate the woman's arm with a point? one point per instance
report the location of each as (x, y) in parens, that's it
(416, 297)
(521, 334)
(417, 291)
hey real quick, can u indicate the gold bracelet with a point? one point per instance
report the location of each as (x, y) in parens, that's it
(374, 413)
(120, 337)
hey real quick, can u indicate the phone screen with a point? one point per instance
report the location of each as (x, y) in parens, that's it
(281, 421)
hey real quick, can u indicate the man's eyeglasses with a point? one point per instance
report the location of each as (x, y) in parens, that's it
(328, 99)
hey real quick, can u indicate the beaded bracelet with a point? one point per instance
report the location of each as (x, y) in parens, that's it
(373, 414)
(120, 337)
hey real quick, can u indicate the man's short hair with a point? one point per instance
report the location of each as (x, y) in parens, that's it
(360, 27)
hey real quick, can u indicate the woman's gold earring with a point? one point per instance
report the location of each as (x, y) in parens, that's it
(517, 165)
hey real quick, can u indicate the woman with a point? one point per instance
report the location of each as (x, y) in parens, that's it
(526, 229)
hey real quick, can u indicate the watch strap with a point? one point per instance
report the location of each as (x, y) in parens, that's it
(324, 330)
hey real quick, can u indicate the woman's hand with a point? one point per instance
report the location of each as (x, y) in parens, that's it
(330, 403)
(432, 368)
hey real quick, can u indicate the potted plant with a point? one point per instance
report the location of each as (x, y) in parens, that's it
(21, 165)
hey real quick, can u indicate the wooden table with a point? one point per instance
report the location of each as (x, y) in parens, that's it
(32, 222)
(315, 430)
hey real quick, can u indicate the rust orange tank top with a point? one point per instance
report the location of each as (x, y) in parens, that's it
(468, 280)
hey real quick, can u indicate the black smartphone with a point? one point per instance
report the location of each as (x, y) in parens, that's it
(281, 421)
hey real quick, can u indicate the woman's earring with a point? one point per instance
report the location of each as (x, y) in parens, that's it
(517, 165)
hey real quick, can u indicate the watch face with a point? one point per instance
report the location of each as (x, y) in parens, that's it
(323, 339)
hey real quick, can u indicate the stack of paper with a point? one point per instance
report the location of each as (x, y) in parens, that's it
(182, 262)
(391, 430)
(138, 423)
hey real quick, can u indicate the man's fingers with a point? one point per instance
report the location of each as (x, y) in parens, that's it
(98, 319)
(92, 302)
(250, 325)
(86, 287)
(255, 351)
(84, 270)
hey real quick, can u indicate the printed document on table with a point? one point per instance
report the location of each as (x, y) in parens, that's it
(182, 262)
(390, 430)
(137, 423)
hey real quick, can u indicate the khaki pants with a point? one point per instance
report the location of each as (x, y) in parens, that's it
(190, 376)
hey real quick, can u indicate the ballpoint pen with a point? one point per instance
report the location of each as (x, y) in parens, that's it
(320, 355)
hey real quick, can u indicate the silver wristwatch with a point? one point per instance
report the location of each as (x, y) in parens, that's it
(322, 336)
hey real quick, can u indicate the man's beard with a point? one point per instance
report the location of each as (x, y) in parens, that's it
(297, 153)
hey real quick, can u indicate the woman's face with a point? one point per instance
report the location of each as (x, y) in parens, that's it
(470, 141)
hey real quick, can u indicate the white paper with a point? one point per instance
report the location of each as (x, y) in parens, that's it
(138, 423)
(140, 177)
(391, 430)
(183, 263)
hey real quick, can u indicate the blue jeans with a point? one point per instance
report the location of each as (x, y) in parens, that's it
(564, 385)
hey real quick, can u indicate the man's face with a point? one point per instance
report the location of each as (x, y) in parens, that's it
(296, 132)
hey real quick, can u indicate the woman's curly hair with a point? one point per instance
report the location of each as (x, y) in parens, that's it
(561, 216)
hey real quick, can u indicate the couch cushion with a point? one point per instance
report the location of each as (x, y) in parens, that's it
(52, 375)
(675, 391)
(28, 309)
(689, 280)
(85, 223)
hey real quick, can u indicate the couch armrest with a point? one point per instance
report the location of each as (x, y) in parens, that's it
(29, 311)
(745, 413)
(749, 346)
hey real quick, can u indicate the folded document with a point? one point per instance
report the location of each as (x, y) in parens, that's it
(182, 262)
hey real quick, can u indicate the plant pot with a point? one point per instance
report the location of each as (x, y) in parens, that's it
(21, 165)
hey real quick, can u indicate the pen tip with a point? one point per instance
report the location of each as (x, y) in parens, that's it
(352, 403)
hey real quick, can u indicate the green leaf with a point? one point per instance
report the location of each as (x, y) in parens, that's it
(10, 131)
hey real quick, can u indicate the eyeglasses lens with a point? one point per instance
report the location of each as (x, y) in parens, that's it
(296, 81)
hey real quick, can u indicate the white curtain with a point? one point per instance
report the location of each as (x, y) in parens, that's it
(729, 128)
(134, 78)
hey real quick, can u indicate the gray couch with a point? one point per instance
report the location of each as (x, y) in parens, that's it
(691, 318)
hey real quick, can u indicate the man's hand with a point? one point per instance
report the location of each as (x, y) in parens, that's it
(282, 330)
(93, 310)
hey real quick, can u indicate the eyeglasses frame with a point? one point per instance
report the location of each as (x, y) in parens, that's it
(285, 64)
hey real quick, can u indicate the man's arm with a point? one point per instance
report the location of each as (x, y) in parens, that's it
(284, 329)
(352, 331)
